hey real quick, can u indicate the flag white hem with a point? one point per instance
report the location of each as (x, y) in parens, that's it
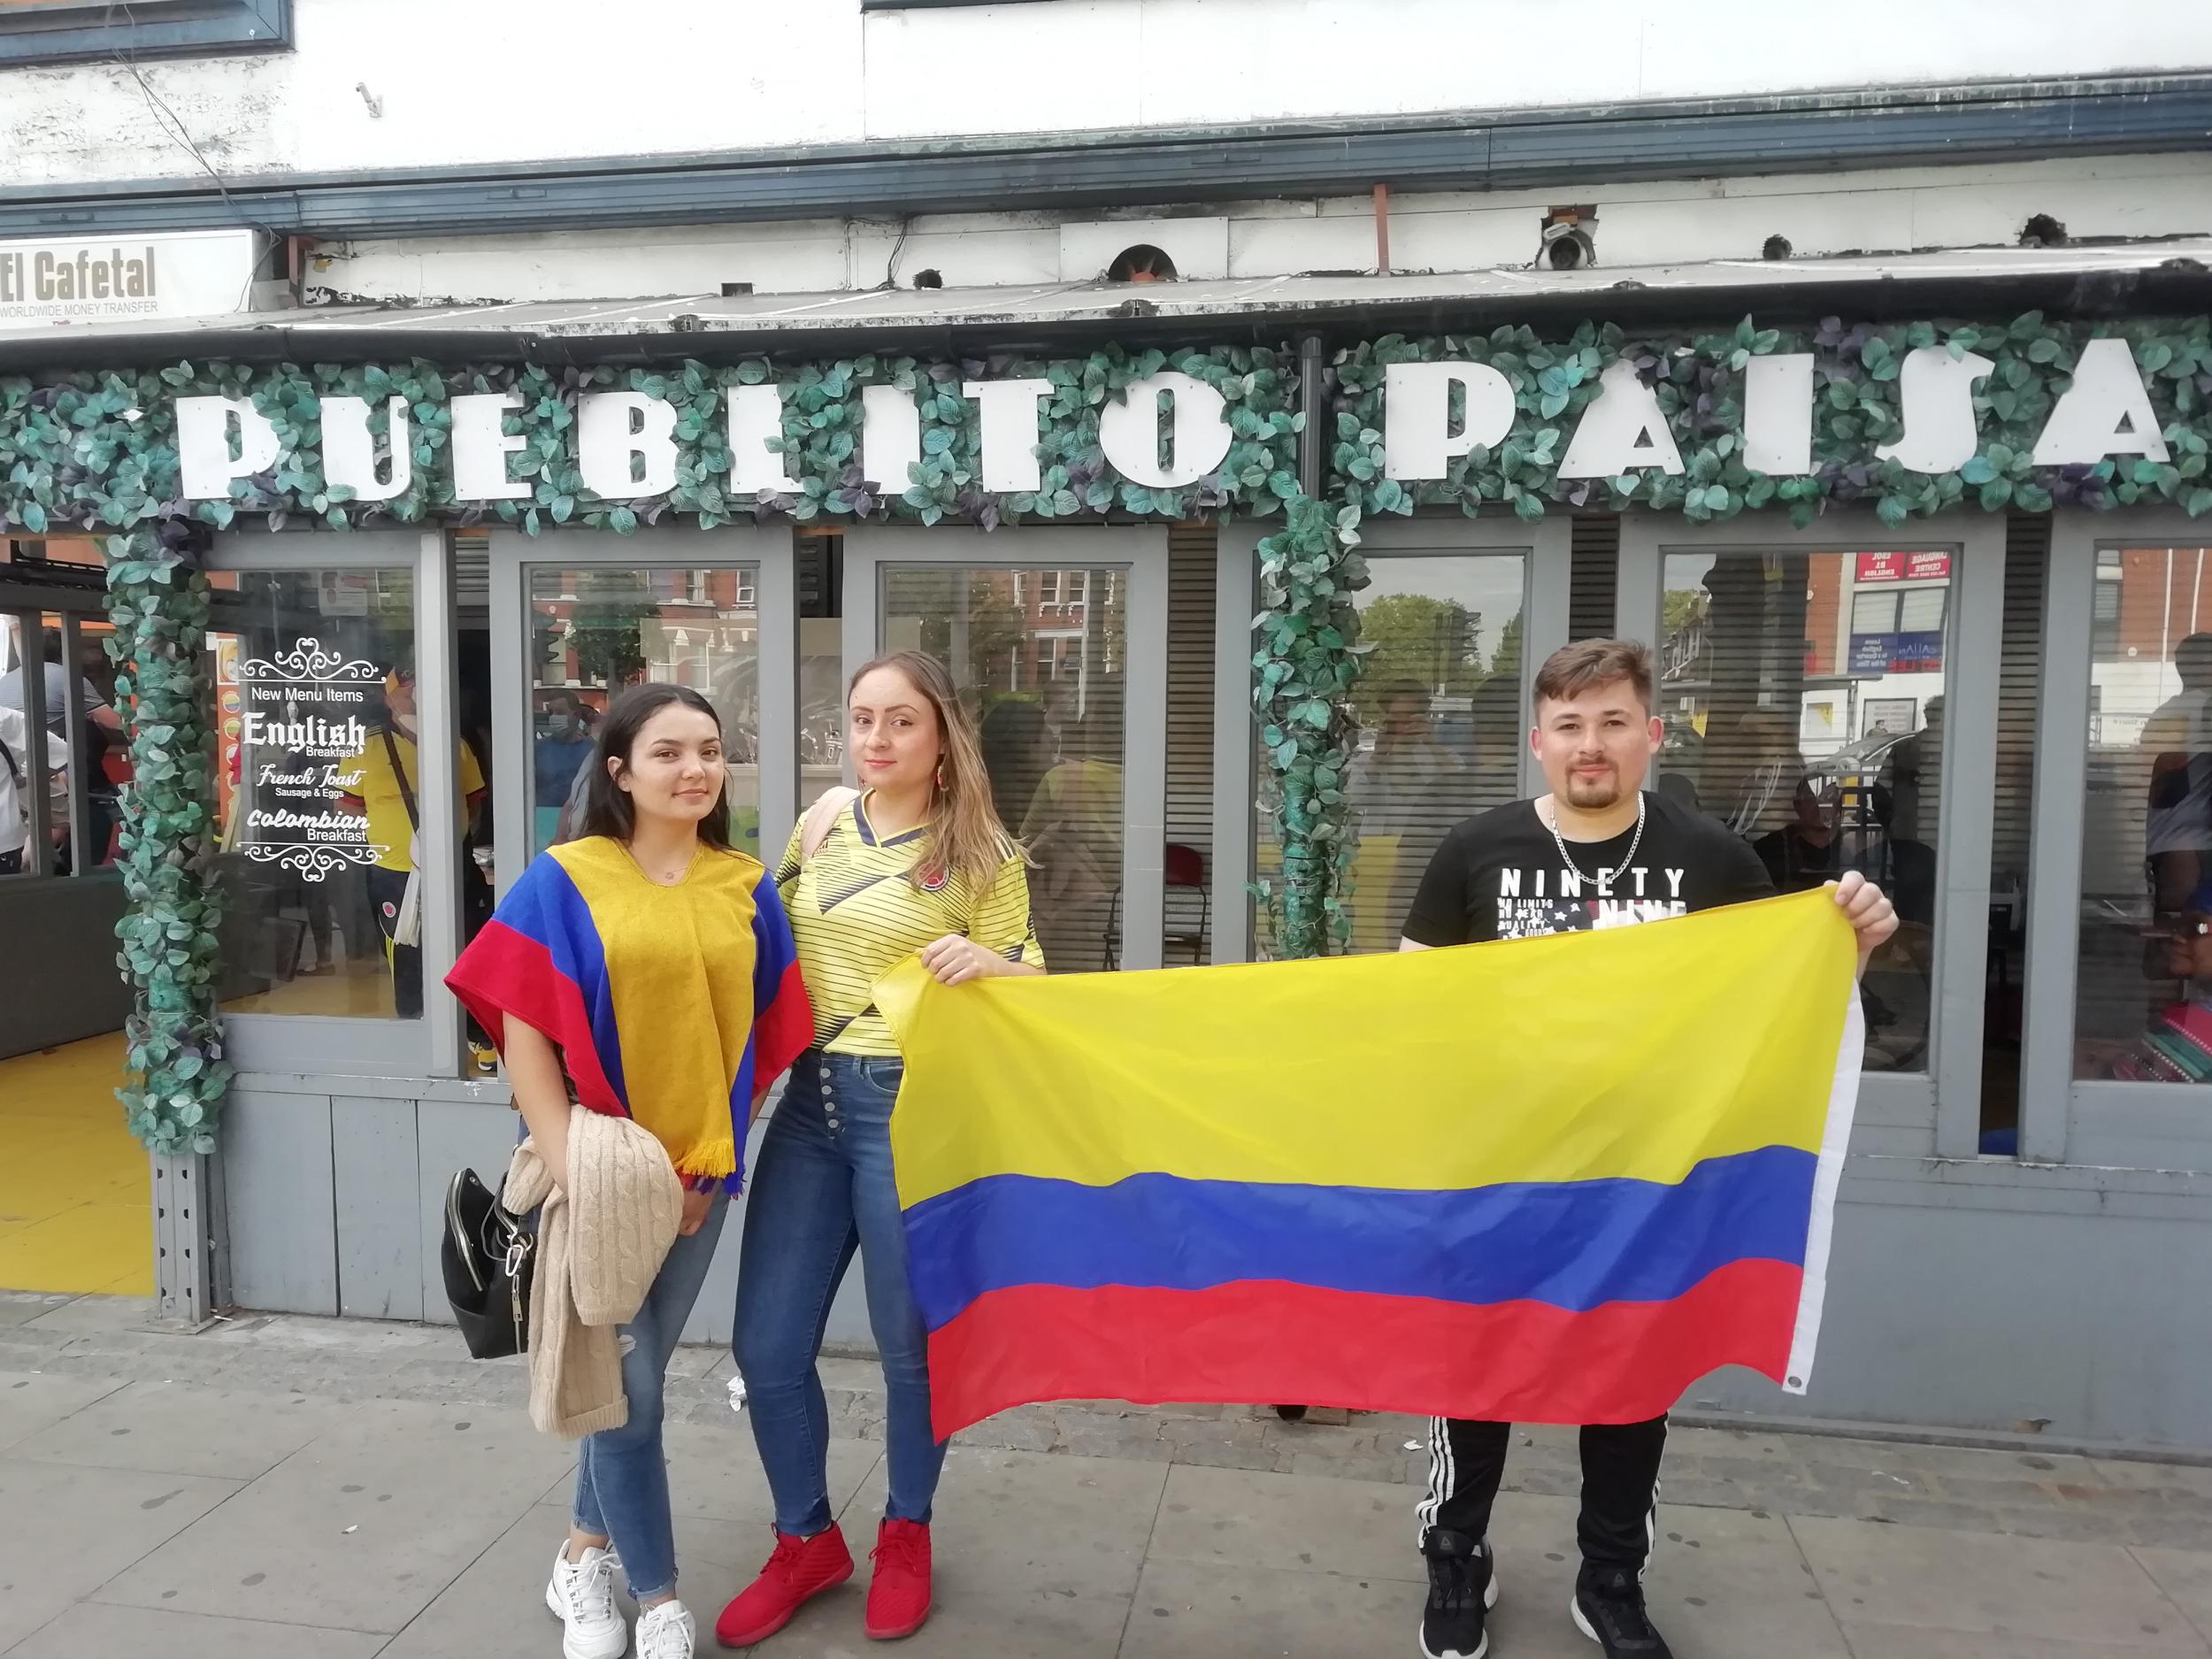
(1835, 1142)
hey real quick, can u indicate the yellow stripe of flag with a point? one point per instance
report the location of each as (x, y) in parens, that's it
(1635, 1052)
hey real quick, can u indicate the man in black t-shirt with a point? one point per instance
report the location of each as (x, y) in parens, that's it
(1595, 852)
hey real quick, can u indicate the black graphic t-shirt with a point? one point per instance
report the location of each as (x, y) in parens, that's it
(1500, 876)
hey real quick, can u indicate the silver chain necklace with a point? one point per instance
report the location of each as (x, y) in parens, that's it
(1567, 857)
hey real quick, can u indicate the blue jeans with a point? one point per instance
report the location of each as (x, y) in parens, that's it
(823, 1189)
(622, 1474)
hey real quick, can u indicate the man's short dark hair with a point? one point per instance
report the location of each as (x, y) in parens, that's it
(1586, 664)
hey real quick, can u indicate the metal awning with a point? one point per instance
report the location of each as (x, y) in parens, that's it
(2134, 275)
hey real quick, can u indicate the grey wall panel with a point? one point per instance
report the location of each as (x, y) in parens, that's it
(376, 1188)
(1989, 1319)
(280, 1200)
(66, 986)
(453, 1135)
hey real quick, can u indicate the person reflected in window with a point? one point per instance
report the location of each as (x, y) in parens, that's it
(385, 787)
(2177, 745)
(561, 753)
(2177, 1045)
(103, 728)
(1073, 830)
(1407, 788)
(1808, 850)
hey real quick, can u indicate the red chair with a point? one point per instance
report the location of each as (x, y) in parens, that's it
(1185, 871)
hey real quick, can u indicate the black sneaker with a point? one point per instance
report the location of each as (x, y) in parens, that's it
(1462, 1588)
(1608, 1608)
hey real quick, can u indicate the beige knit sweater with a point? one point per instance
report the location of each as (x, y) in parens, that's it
(601, 1240)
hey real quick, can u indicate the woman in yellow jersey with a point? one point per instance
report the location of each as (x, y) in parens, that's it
(649, 961)
(917, 863)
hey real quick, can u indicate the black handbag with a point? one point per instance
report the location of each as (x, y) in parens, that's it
(490, 1256)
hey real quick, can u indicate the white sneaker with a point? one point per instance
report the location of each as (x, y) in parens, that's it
(580, 1594)
(666, 1632)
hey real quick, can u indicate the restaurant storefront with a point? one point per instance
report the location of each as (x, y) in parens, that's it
(1927, 596)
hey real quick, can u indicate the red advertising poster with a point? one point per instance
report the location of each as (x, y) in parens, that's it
(1903, 567)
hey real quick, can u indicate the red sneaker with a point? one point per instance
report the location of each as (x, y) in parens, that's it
(800, 1568)
(898, 1596)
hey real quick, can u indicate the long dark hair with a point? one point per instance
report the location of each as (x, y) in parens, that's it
(607, 807)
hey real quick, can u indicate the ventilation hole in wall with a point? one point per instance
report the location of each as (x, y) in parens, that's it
(932, 278)
(1776, 248)
(1144, 263)
(2042, 231)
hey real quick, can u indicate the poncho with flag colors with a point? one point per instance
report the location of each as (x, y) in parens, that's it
(676, 1006)
(1554, 1180)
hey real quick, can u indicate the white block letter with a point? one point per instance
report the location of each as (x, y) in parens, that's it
(1417, 444)
(481, 449)
(1936, 392)
(1622, 430)
(204, 456)
(2105, 412)
(1009, 412)
(349, 452)
(1129, 431)
(890, 437)
(612, 429)
(1778, 414)
(756, 416)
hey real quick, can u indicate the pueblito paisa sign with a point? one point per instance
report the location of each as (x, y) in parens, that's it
(187, 273)
(1171, 430)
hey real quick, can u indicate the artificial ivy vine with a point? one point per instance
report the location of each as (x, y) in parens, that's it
(1699, 384)
(171, 952)
(98, 451)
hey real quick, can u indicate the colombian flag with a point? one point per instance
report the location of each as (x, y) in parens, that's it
(675, 1006)
(1551, 1180)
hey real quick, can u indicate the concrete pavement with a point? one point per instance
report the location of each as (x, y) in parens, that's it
(320, 1489)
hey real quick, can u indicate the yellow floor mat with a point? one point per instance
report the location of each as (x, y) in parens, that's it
(76, 1202)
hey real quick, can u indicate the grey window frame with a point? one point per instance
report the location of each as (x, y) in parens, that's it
(2064, 1119)
(514, 554)
(308, 1045)
(872, 550)
(1546, 550)
(1937, 1112)
(148, 30)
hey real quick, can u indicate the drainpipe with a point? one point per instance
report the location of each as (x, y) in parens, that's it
(1312, 450)
(1382, 230)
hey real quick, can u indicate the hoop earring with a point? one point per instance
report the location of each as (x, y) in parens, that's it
(940, 777)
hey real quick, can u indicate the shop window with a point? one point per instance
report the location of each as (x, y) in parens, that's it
(2144, 991)
(596, 630)
(1053, 719)
(318, 790)
(1802, 698)
(1442, 727)
(78, 781)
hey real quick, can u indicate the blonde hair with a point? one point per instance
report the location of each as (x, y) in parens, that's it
(965, 838)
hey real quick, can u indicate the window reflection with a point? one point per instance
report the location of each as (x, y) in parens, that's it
(1802, 697)
(596, 630)
(1041, 655)
(2145, 985)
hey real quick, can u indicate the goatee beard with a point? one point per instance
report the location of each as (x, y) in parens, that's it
(1592, 796)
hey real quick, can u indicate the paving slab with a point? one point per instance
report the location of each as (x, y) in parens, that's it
(20, 1307)
(71, 1530)
(1890, 1641)
(1976, 1584)
(2186, 1576)
(363, 1528)
(1184, 1609)
(1288, 1524)
(37, 1401)
(92, 1631)
(91, 1314)
(183, 1430)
